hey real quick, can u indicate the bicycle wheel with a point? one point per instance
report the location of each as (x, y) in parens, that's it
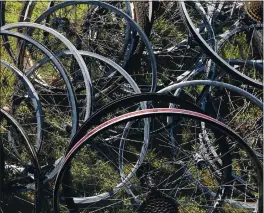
(19, 166)
(19, 97)
(59, 106)
(236, 107)
(101, 28)
(103, 191)
(109, 80)
(124, 105)
(57, 37)
(220, 18)
(214, 55)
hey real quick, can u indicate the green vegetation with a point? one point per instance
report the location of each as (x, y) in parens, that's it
(91, 171)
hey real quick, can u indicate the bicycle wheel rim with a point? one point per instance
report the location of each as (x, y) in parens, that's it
(129, 116)
(37, 184)
(214, 56)
(120, 13)
(36, 102)
(54, 60)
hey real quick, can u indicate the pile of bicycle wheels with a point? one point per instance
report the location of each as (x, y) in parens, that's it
(131, 106)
